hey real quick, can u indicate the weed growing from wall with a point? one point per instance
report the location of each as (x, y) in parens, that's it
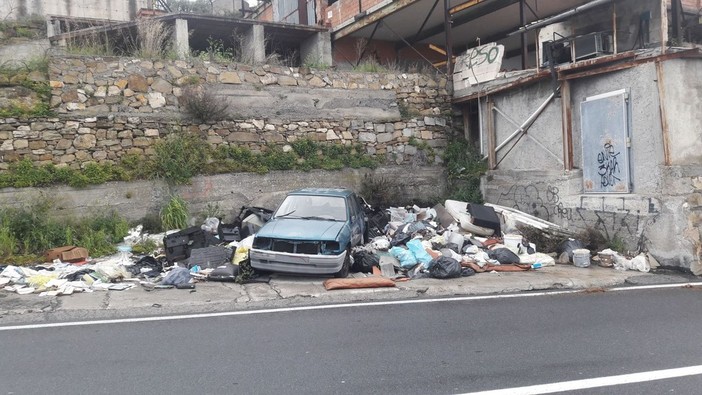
(180, 157)
(201, 103)
(152, 39)
(24, 174)
(18, 75)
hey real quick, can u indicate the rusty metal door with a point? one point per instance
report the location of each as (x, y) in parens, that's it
(604, 121)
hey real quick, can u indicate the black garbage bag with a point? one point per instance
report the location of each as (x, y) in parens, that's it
(154, 267)
(400, 238)
(363, 262)
(503, 255)
(445, 267)
(466, 272)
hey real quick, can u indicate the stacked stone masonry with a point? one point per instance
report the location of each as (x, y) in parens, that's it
(136, 101)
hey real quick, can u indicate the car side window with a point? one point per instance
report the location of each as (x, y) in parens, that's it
(353, 206)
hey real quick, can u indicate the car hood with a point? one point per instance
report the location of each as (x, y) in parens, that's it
(301, 229)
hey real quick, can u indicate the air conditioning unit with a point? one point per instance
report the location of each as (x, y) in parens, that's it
(592, 45)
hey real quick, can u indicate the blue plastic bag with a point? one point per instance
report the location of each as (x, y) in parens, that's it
(415, 245)
(406, 257)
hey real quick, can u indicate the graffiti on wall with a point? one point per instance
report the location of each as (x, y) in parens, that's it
(609, 215)
(479, 64)
(608, 166)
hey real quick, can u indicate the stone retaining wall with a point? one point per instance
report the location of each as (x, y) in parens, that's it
(109, 107)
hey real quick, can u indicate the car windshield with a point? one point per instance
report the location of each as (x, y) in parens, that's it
(313, 207)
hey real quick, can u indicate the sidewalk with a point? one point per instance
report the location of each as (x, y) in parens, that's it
(295, 291)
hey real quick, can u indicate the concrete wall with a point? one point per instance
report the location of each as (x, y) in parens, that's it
(519, 105)
(16, 54)
(663, 213)
(117, 10)
(682, 102)
(229, 192)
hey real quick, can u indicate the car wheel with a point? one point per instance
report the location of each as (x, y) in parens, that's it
(346, 267)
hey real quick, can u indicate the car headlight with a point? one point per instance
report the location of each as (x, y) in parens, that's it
(262, 243)
(331, 247)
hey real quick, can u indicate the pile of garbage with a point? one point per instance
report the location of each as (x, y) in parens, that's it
(456, 239)
(460, 239)
(212, 251)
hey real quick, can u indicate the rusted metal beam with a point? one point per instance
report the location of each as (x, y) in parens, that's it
(537, 76)
(372, 18)
(302, 12)
(598, 71)
(567, 121)
(663, 113)
(426, 19)
(614, 27)
(470, 15)
(522, 21)
(464, 6)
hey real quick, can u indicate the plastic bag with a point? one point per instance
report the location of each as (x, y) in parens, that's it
(211, 225)
(639, 263)
(419, 252)
(241, 254)
(445, 267)
(400, 238)
(503, 255)
(406, 257)
(363, 262)
(178, 275)
(380, 243)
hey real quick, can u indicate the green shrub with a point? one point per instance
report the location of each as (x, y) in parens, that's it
(180, 157)
(464, 166)
(30, 231)
(175, 214)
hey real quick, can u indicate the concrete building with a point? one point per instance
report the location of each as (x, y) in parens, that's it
(587, 112)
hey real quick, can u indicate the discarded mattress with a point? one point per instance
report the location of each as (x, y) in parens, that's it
(459, 211)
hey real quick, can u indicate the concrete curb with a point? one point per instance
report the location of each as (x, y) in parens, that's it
(300, 291)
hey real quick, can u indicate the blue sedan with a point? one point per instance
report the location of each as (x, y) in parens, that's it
(311, 232)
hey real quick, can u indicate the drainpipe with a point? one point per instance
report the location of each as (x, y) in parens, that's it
(449, 41)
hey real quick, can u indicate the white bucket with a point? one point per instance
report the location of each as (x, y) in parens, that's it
(513, 241)
(581, 257)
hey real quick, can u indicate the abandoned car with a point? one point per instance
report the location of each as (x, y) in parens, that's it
(311, 232)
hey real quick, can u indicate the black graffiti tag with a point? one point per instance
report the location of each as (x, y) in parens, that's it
(608, 166)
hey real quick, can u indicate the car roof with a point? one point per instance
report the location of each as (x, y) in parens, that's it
(340, 192)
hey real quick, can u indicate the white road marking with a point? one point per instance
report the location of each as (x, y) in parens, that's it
(596, 382)
(334, 306)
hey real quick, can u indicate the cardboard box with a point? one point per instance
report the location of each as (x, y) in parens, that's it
(66, 254)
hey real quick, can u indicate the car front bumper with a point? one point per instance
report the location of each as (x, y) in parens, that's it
(296, 263)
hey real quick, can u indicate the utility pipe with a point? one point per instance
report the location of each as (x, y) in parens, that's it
(559, 17)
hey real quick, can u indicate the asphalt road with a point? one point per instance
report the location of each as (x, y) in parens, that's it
(439, 348)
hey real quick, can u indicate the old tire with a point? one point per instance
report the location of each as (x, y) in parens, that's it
(346, 267)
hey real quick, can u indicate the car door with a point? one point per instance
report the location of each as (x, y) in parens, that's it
(356, 219)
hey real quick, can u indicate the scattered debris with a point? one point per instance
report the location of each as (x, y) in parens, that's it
(450, 240)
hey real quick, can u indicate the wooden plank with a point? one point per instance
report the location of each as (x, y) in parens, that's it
(567, 120)
(663, 113)
(492, 138)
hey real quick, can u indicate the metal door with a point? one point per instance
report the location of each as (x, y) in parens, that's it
(605, 123)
